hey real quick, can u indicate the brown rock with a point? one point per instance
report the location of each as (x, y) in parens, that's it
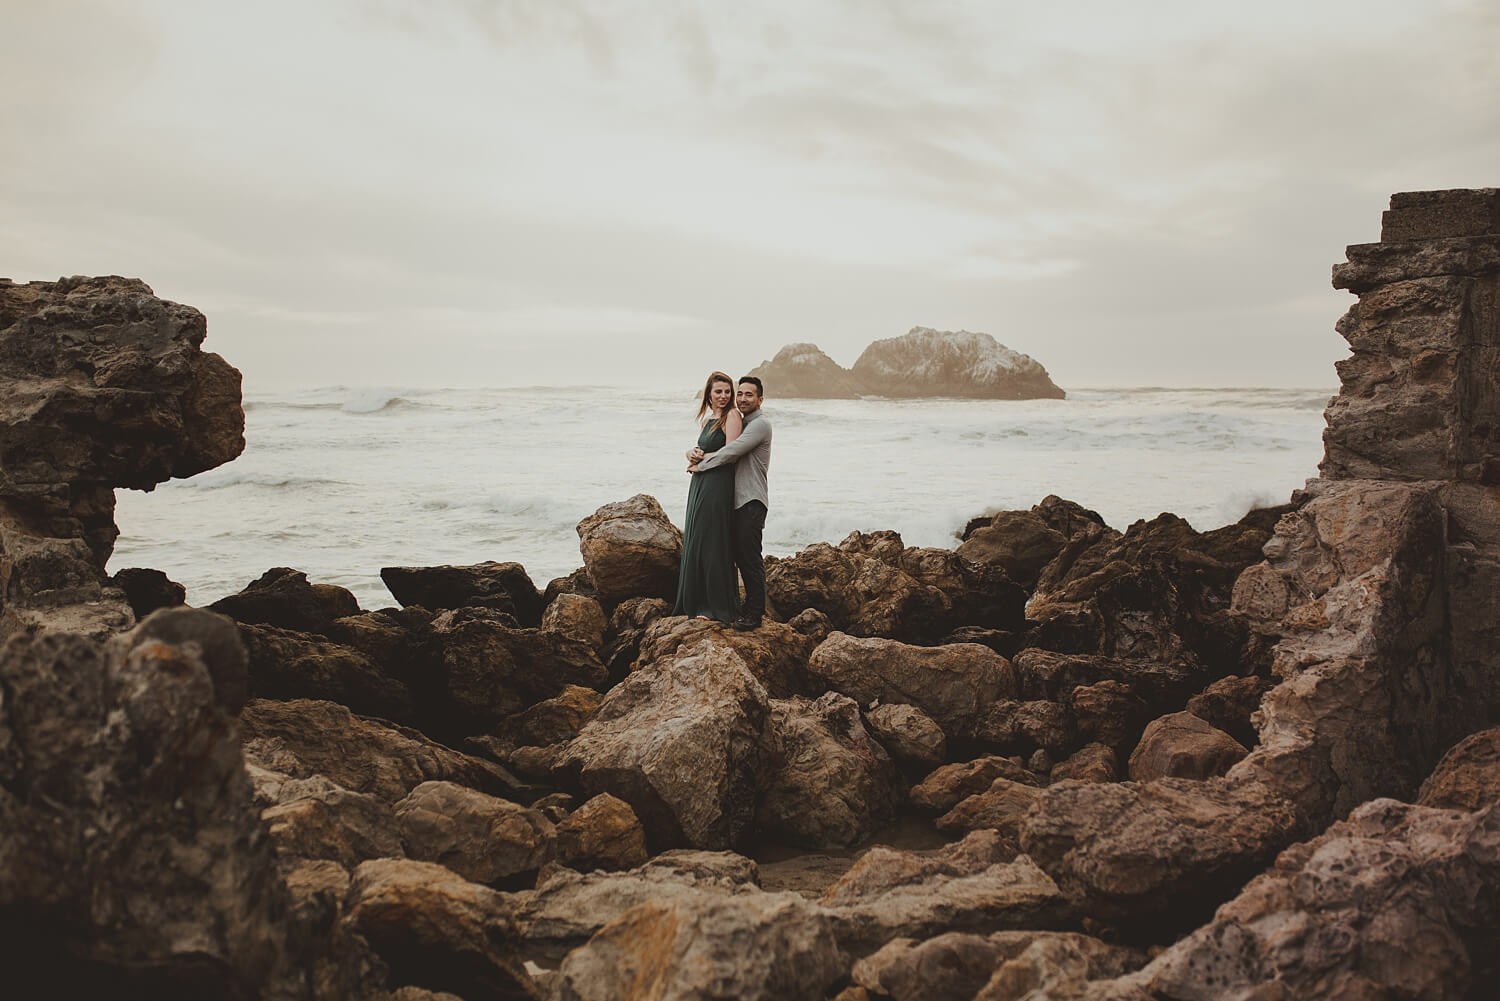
(970, 884)
(927, 362)
(1108, 712)
(1371, 908)
(552, 720)
(133, 856)
(1067, 517)
(631, 550)
(1010, 727)
(148, 590)
(754, 946)
(950, 684)
(804, 371)
(945, 787)
(955, 966)
(1160, 855)
(568, 907)
(504, 587)
(437, 930)
(627, 625)
(909, 734)
(603, 833)
(829, 784)
(1183, 746)
(304, 738)
(292, 665)
(1090, 763)
(1019, 542)
(285, 598)
(482, 838)
(861, 594)
(578, 616)
(775, 653)
(999, 808)
(683, 742)
(1229, 704)
(1468, 777)
(316, 819)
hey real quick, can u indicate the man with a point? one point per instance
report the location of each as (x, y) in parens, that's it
(751, 455)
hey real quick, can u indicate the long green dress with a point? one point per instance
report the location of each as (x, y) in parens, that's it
(706, 583)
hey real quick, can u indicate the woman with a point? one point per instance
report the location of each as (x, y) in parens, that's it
(706, 585)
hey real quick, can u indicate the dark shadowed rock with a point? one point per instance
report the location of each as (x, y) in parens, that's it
(133, 860)
(631, 550)
(1229, 704)
(504, 587)
(213, 638)
(294, 665)
(927, 362)
(627, 626)
(830, 785)
(551, 720)
(1019, 542)
(285, 598)
(304, 738)
(861, 594)
(682, 741)
(148, 590)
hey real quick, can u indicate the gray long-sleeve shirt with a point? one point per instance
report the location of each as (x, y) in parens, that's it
(751, 455)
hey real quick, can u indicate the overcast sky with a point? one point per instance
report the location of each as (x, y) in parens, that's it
(509, 192)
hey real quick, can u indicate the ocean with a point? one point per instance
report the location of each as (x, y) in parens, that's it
(339, 482)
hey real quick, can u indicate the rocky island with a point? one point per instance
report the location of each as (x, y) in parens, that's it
(1060, 761)
(921, 363)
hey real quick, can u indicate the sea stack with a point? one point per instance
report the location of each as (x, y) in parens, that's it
(921, 363)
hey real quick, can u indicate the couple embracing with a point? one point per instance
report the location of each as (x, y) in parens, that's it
(726, 509)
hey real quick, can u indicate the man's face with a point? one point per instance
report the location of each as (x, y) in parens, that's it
(747, 398)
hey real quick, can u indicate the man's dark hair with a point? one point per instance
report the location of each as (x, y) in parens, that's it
(760, 390)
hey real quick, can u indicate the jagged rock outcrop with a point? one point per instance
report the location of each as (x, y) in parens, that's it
(921, 362)
(102, 385)
(505, 587)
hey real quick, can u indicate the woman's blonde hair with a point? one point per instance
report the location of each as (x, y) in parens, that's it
(707, 405)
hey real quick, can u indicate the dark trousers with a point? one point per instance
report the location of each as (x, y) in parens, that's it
(749, 524)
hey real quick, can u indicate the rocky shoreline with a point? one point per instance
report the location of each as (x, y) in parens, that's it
(1062, 761)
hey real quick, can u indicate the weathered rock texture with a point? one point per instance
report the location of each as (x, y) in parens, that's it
(631, 550)
(922, 362)
(102, 385)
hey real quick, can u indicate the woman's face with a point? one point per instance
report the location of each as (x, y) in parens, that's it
(719, 395)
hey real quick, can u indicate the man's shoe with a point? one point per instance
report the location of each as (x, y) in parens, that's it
(744, 623)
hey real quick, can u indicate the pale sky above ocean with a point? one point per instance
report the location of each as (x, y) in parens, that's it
(508, 192)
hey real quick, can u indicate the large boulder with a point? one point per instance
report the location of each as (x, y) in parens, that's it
(803, 370)
(102, 385)
(631, 550)
(909, 734)
(603, 833)
(133, 860)
(775, 652)
(947, 785)
(1000, 808)
(951, 684)
(504, 587)
(316, 818)
(1395, 901)
(302, 738)
(955, 966)
(1019, 542)
(1155, 857)
(683, 741)
(927, 362)
(753, 946)
(830, 785)
(1468, 777)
